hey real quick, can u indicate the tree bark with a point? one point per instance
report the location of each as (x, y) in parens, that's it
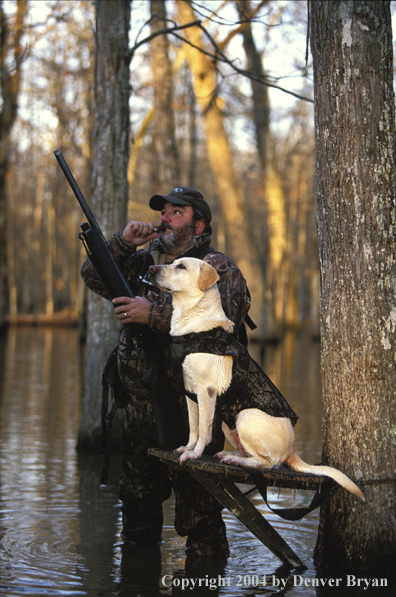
(351, 44)
(110, 189)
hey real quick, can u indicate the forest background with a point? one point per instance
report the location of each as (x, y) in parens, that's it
(266, 149)
(261, 187)
(222, 103)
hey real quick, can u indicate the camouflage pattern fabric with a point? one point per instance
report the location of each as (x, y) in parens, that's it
(250, 386)
(145, 482)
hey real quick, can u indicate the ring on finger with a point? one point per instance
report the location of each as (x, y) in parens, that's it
(125, 315)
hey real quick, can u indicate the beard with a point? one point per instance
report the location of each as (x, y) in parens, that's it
(176, 240)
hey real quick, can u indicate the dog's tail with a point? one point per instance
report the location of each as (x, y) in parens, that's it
(296, 464)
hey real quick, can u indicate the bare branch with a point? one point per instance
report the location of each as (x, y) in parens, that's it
(159, 32)
(220, 56)
(217, 56)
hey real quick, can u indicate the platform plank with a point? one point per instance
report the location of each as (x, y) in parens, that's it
(211, 466)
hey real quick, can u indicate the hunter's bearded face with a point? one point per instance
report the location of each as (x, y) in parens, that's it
(175, 240)
(180, 228)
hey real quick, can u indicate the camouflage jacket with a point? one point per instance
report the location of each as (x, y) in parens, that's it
(250, 386)
(135, 263)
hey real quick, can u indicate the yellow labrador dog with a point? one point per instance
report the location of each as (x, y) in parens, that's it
(262, 440)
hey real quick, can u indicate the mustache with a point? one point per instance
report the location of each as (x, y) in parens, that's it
(164, 227)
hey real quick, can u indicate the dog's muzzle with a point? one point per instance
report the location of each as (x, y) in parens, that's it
(153, 274)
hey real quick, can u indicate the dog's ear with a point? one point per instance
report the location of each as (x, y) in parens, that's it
(207, 276)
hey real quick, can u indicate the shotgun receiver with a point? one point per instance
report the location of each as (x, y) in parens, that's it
(95, 244)
(166, 411)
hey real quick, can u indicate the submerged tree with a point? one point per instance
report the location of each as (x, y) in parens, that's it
(355, 145)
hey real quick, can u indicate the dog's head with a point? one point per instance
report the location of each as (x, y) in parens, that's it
(188, 275)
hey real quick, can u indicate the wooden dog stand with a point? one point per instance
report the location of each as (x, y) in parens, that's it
(221, 481)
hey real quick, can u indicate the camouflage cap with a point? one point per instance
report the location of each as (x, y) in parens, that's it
(182, 196)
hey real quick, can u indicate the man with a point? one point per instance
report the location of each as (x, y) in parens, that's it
(145, 483)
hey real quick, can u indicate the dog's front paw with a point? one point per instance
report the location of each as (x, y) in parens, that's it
(189, 448)
(190, 455)
(228, 458)
(222, 454)
(181, 450)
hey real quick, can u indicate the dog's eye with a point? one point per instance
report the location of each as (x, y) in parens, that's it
(181, 266)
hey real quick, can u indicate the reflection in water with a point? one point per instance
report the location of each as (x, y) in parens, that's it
(39, 489)
(59, 531)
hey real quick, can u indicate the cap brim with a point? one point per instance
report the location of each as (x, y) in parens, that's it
(157, 201)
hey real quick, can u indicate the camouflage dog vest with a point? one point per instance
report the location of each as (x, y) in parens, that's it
(250, 386)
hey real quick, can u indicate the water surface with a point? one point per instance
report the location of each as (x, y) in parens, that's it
(60, 532)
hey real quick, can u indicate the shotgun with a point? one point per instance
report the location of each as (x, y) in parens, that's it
(95, 244)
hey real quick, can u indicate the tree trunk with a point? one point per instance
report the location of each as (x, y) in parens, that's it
(354, 111)
(278, 270)
(166, 170)
(11, 273)
(274, 199)
(110, 189)
(10, 75)
(260, 95)
(50, 244)
(221, 162)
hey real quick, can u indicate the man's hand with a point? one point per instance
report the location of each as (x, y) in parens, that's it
(132, 310)
(137, 233)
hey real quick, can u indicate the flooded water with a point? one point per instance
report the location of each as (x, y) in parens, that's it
(60, 532)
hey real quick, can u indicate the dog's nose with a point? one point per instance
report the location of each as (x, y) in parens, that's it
(153, 268)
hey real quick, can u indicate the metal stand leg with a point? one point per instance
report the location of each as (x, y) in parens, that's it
(236, 502)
